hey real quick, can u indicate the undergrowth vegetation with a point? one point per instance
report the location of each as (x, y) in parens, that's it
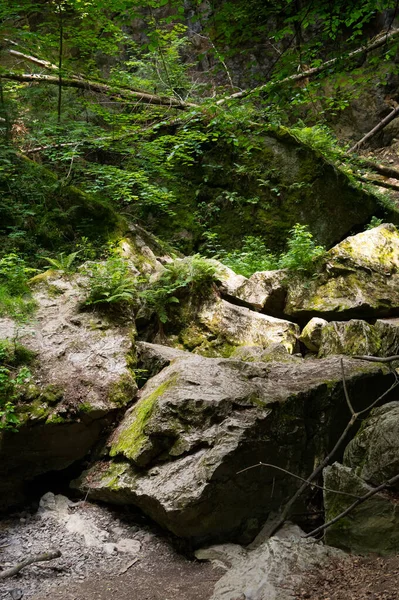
(14, 376)
(302, 254)
(15, 296)
(192, 275)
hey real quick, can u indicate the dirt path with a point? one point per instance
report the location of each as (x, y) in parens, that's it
(106, 555)
(357, 578)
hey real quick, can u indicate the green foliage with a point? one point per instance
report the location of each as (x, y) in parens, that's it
(253, 256)
(14, 375)
(302, 251)
(192, 275)
(63, 262)
(374, 222)
(15, 296)
(321, 139)
(110, 282)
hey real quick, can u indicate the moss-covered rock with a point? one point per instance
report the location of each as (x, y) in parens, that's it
(263, 184)
(311, 334)
(373, 454)
(179, 453)
(81, 378)
(359, 278)
(357, 337)
(371, 527)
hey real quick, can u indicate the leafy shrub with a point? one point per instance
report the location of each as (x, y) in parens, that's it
(192, 274)
(110, 283)
(15, 297)
(63, 262)
(374, 222)
(253, 256)
(302, 250)
(13, 377)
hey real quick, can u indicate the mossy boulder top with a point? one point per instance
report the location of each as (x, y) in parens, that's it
(359, 278)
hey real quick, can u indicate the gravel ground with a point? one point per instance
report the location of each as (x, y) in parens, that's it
(105, 554)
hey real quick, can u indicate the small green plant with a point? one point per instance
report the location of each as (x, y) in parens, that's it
(302, 250)
(14, 375)
(374, 222)
(15, 296)
(193, 274)
(63, 262)
(110, 282)
(253, 256)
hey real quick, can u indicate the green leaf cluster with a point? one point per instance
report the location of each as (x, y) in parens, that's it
(192, 275)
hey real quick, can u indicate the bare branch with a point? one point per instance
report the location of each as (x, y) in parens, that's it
(378, 167)
(286, 511)
(379, 41)
(33, 59)
(385, 184)
(319, 487)
(375, 129)
(360, 500)
(348, 401)
(382, 359)
(28, 561)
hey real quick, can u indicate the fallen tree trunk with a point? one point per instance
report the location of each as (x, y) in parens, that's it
(28, 561)
(99, 88)
(394, 113)
(380, 41)
(379, 168)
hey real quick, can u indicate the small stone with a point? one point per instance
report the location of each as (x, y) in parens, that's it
(110, 548)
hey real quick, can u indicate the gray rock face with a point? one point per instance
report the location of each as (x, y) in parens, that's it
(265, 291)
(373, 454)
(179, 452)
(360, 279)
(240, 326)
(272, 571)
(359, 337)
(311, 334)
(80, 381)
(371, 527)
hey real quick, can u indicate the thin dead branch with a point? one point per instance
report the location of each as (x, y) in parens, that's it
(379, 41)
(28, 561)
(378, 168)
(394, 113)
(360, 500)
(378, 182)
(275, 525)
(319, 487)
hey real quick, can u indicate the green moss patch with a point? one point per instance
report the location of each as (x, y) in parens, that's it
(132, 439)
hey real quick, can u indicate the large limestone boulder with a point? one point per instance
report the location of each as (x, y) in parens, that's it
(371, 527)
(311, 334)
(264, 192)
(240, 326)
(359, 337)
(81, 379)
(179, 453)
(272, 571)
(374, 452)
(265, 291)
(359, 278)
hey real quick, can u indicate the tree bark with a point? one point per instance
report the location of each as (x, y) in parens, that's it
(394, 113)
(99, 88)
(28, 561)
